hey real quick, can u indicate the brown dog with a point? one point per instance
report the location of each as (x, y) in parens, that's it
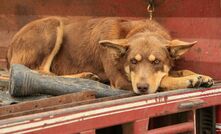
(134, 55)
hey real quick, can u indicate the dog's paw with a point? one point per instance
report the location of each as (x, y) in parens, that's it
(195, 81)
(91, 76)
(200, 81)
(207, 81)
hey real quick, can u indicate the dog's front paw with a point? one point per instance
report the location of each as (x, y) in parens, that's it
(91, 76)
(207, 81)
(200, 81)
(195, 81)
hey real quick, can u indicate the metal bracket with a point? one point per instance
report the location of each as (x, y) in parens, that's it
(191, 104)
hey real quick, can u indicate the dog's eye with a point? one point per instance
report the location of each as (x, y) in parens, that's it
(156, 62)
(133, 61)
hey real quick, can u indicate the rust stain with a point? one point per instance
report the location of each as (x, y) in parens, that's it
(44, 104)
(198, 50)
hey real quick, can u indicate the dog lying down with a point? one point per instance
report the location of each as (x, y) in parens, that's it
(133, 55)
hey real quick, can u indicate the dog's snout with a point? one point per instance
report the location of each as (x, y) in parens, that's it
(143, 87)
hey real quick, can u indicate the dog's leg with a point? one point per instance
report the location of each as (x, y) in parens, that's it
(84, 75)
(46, 64)
(182, 73)
(36, 44)
(190, 81)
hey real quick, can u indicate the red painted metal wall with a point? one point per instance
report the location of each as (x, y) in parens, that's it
(129, 8)
(185, 19)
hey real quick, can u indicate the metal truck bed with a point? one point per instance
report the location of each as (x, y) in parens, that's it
(184, 19)
(132, 111)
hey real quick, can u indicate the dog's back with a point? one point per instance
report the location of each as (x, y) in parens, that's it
(79, 51)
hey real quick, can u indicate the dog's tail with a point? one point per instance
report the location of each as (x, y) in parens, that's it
(58, 42)
(60, 34)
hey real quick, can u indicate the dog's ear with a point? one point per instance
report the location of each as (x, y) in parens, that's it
(120, 45)
(177, 48)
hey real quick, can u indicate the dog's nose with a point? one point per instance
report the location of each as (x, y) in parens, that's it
(142, 87)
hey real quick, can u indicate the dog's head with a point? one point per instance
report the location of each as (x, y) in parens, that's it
(147, 58)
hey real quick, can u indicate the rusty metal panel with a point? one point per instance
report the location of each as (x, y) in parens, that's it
(28, 107)
(3, 52)
(136, 127)
(109, 113)
(19, 12)
(178, 128)
(218, 119)
(41, 105)
(88, 132)
(205, 56)
(129, 8)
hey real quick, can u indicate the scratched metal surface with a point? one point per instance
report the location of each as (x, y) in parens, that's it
(7, 99)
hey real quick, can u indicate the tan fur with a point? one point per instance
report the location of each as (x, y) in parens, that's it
(138, 57)
(104, 47)
(171, 83)
(135, 80)
(127, 71)
(166, 69)
(157, 81)
(151, 58)
(34, 42)
(181, 73)
(45, 66)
